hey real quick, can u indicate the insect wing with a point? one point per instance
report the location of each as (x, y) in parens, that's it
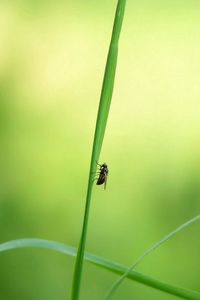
(105, 181)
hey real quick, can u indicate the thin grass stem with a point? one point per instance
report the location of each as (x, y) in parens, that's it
(104, 105)
(119, 281)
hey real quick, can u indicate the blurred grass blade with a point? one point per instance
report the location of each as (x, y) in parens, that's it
(38, 243)
(104, 106)
(151, 249)
(102, 263)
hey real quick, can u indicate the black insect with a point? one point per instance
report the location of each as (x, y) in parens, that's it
(103, 174)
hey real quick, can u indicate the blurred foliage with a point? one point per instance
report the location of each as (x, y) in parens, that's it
(52, 57)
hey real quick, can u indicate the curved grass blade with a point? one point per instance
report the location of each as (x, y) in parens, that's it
(151, 249)
(102, 263)
(104, 106)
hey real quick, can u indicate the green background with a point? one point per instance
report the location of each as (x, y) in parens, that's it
(52, 58)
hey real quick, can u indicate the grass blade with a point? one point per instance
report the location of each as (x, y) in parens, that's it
(151, 249)
(102, 263)
(104, 105)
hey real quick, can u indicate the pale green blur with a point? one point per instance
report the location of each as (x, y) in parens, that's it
(52, 58)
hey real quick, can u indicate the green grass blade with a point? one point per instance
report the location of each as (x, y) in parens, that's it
(102, 263)
(38, 243)
(151, 249)
(104, 105)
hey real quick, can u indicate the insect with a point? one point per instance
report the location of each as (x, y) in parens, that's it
(103, 174)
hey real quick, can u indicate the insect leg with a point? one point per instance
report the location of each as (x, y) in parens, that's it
(98, 163)
(94, 179)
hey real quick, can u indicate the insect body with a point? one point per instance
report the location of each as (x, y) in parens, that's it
(103, 175)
